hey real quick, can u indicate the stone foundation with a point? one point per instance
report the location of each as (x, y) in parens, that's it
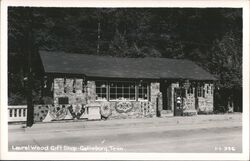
(138, 109)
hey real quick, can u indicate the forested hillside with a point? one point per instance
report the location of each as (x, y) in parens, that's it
(210, 37)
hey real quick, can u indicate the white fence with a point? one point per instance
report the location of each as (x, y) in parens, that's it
(17, 113)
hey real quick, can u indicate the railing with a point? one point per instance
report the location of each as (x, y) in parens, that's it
(17, 113)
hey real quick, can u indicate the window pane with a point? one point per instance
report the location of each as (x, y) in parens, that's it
(112, 90)
(122, 90)
(132, 90)
(126, 96)
(119, 84)
(103, 94)
(112, 85)
(126, 84)
(98, 90)
(112, 96)
(126, 90)
(142, 85)
(101, 88)
(132, 96)
(119, 90)
(142, 91)
(119, 96)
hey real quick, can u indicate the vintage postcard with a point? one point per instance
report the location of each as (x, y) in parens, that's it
(125, 80)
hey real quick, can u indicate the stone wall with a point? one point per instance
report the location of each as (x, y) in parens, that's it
(47, 113)
(40, 112)
(189, 102)
(136, 109)
(154, 94)
(91, 94)
(80, 95)
(75, 91)
(132, 109)
(159, 104)
(205, 104)
(58, 89)
(64, 88)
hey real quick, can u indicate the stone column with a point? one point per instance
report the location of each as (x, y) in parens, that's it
(91, 94)
(79, 95)
(155, 90)
(58, 90)
(205, 104)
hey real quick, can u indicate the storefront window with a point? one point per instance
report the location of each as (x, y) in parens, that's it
(200, 91)
(190, 90)
(122, 91)
(101, 90)
(143, 91)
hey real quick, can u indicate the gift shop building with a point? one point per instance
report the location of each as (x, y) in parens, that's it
(103, 87)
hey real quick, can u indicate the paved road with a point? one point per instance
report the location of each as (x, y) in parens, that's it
(155, 136)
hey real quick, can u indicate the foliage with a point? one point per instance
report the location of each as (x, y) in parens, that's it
(226, 60)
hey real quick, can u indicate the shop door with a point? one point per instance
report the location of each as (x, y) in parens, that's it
(164, 90)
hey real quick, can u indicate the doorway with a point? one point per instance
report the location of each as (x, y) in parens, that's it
(178, 101)
(164, 89)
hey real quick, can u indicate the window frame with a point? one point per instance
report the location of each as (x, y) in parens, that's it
(135, 94)
(136, 88)
(106, 93)
(201, 90)
(147, 90)
(63, 100)
(190, 90)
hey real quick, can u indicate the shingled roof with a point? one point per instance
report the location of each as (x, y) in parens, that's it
(114, 67)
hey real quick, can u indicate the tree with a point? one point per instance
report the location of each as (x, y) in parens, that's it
(226, 63)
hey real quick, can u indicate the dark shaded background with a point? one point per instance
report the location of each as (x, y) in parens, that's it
(211, 37)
